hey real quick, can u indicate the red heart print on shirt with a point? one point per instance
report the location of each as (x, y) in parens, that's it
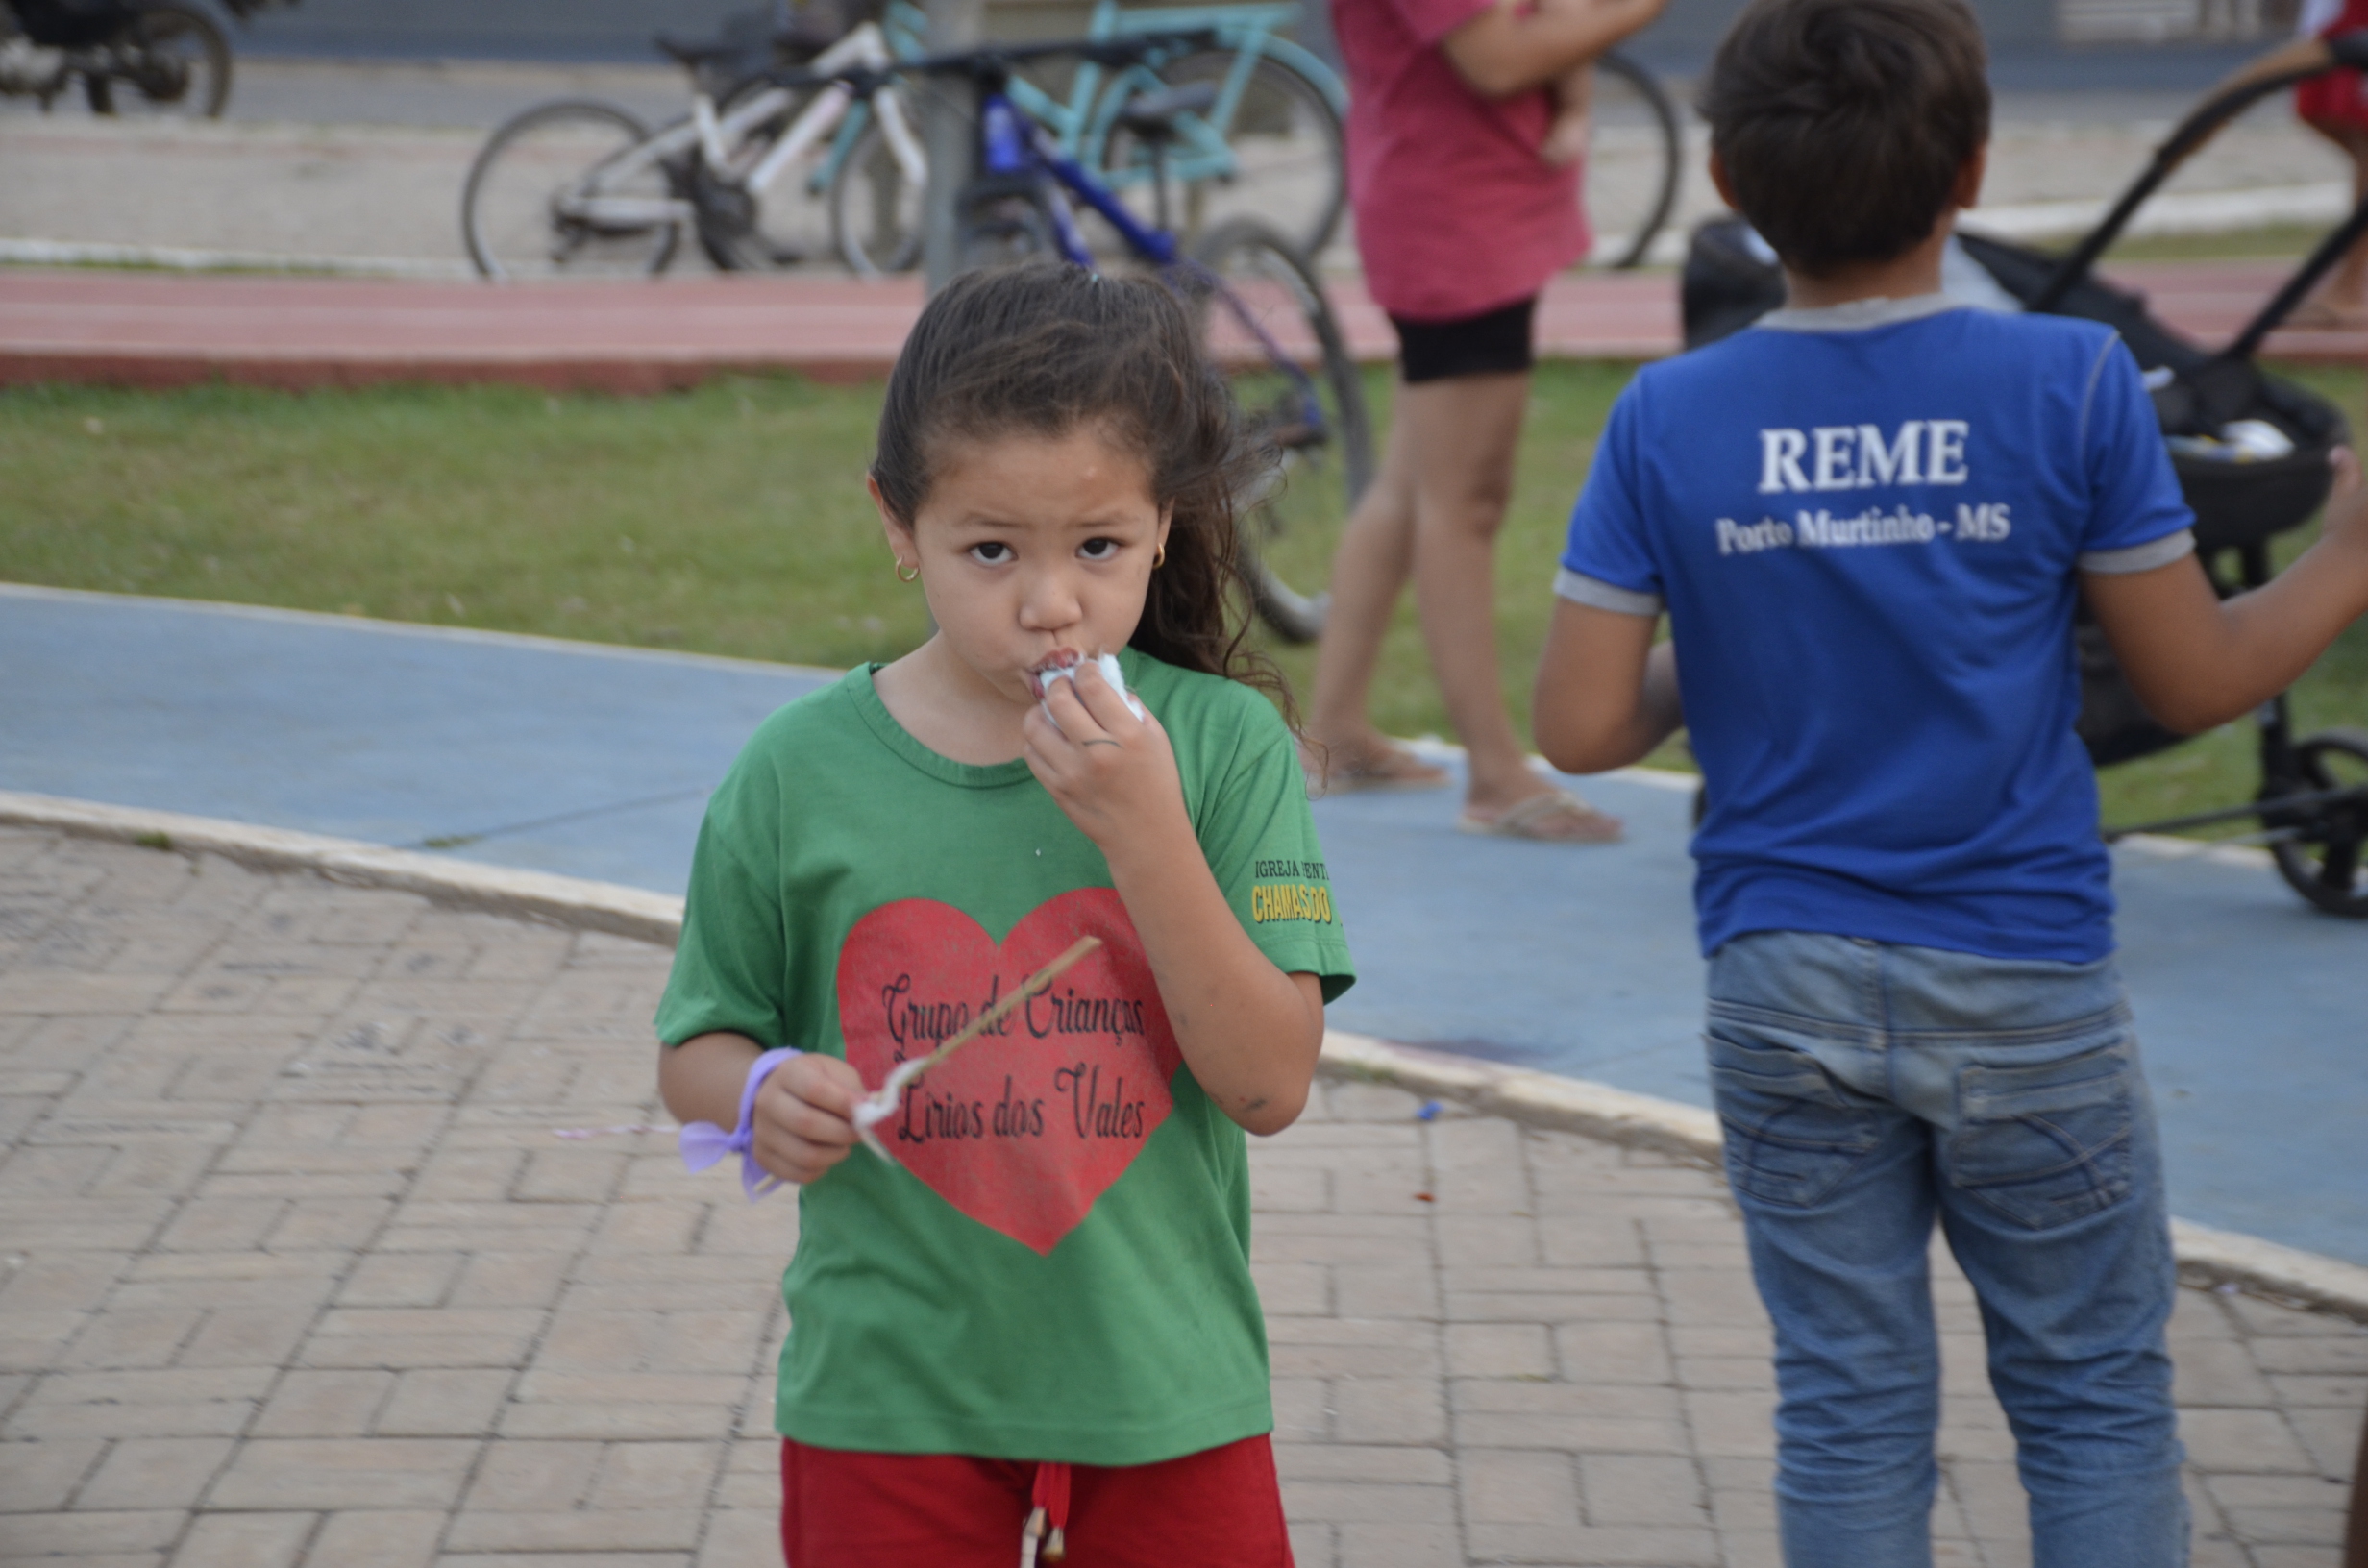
(1024, 1129)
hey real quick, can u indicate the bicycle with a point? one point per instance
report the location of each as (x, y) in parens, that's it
(1272, 136)
(1266, 318)
(577, 187)
(159, 56)
(1267, 144)
(1636, 153)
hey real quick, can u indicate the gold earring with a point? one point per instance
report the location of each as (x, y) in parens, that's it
(1160, 560)
(907, 573)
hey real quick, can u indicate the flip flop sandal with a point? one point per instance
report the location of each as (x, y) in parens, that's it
(1556, 816)
(1392, 767)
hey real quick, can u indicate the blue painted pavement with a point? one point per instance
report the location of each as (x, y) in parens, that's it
(595, 761)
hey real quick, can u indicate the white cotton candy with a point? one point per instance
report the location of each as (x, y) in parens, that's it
(882, 1104)
(1107, 664)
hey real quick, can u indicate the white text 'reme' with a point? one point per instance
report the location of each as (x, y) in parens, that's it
(1857, 457)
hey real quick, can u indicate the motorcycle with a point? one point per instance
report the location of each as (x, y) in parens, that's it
(137, 57)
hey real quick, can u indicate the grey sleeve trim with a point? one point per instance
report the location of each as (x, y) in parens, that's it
(2143, 557)
(1857, 315)
(1603, 596)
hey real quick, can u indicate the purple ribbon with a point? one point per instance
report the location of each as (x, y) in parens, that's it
(705, 1144)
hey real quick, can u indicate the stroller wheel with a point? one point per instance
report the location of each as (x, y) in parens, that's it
(2320, 844)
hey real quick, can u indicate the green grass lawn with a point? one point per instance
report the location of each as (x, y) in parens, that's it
(730, 519)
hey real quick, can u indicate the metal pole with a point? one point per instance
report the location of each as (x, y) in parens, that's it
(945, 134)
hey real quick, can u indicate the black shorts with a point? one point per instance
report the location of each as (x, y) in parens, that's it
(1493, 343)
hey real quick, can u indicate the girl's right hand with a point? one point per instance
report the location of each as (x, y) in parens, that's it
(802, 1123)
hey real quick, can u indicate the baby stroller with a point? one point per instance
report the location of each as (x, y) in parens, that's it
(2251, 451)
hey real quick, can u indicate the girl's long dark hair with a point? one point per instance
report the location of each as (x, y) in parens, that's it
(1045, 347)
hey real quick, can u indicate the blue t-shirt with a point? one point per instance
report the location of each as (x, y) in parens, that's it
(1867, 525)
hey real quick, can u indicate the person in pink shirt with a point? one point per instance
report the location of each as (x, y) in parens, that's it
(1461, 219)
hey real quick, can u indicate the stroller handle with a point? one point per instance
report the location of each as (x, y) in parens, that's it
(2274, 72)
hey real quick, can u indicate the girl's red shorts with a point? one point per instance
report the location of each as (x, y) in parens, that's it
(1218, 1508)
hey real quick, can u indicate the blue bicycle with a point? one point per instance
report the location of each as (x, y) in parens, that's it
(1262, 310)
(1267, 144)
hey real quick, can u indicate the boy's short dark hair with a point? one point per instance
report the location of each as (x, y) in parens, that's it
(1843, 123)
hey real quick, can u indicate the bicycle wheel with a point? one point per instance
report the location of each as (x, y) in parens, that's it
(1001, 222)
(1266, 322)
(781, 226)
(1289, 168)
(553, 195)
(2321, 854)
(170, 60)
(875, 211)
(1634, 155)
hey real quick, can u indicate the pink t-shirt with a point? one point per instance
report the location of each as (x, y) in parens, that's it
(1456, 213)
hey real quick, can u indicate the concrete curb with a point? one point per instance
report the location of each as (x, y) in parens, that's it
(74, 253)
(2206, 1257)
(2177, 212)
(2180, 212)
(576, 647)
(533, 896)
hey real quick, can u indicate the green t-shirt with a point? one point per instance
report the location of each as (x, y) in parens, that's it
(1059, 1268)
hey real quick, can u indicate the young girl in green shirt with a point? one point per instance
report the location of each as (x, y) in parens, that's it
(1032, 1325)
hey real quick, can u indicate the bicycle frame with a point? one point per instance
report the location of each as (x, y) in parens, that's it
(714, 135)
(1253, 33)
(1081, 124)
(1011, 147)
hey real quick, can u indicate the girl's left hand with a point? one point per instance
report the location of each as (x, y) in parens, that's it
(1114, 774)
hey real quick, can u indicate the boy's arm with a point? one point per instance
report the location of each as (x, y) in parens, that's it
(2196, 660)
(1606, 696)
(1506, 50)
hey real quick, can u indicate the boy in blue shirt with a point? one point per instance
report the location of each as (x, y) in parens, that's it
(1869, 518)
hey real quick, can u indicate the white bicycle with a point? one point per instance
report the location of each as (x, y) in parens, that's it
(582, 188)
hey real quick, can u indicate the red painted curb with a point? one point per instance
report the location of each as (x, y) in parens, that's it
(157, 330)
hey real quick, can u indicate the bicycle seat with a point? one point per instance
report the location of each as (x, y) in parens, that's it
(696, 51)
(1151, 116)
(751, 40)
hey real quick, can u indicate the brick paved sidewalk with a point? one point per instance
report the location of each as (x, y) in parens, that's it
(292, 1272)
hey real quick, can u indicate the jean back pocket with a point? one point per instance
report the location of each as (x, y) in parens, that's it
(1792, 1132)
(2049, 1142)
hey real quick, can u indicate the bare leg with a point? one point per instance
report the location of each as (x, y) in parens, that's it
(1462, 434)
(1375, 558)
(1434, 514)
(2342, 301)
(2355, 1530)
(2347, 288)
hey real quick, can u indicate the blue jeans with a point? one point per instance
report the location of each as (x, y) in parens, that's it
(1868, 1089)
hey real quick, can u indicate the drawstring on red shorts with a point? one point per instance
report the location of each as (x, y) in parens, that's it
(1049, 1519)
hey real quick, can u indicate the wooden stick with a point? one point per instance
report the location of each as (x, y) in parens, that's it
(1035, 984)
